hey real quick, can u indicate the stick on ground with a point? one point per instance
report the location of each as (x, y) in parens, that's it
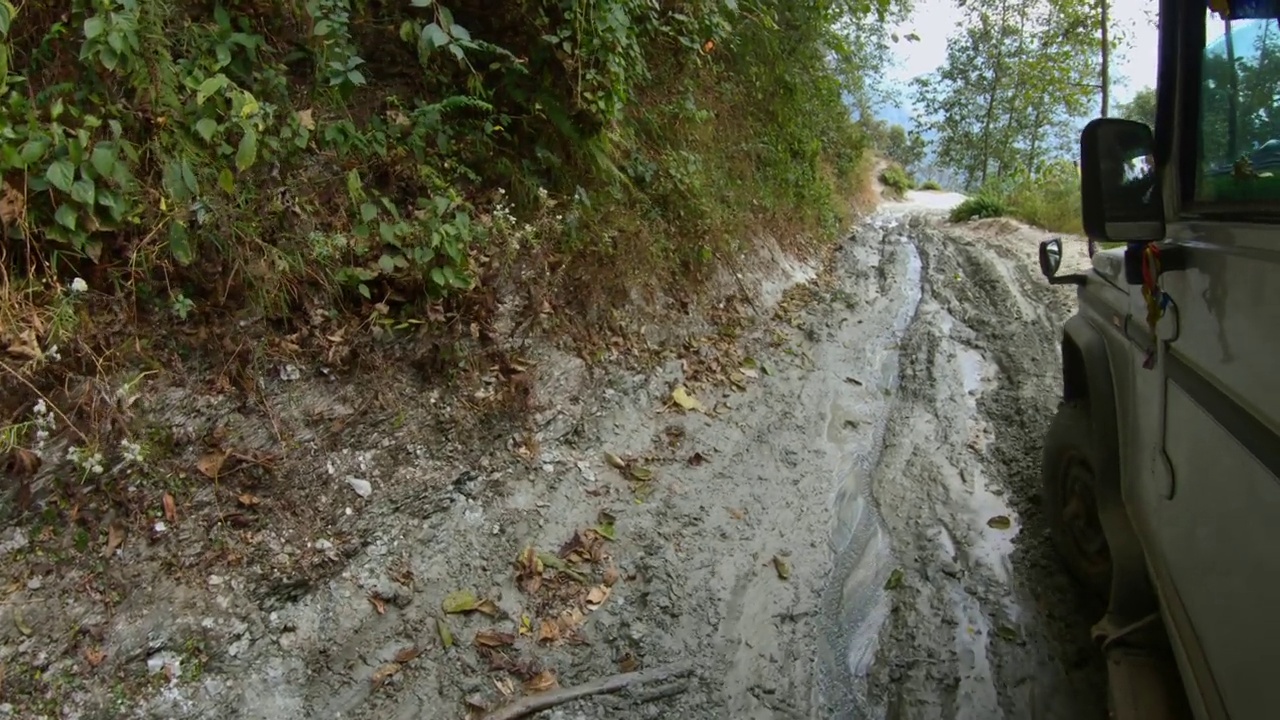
(611, 684)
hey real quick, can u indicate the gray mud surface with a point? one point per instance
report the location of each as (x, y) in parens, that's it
(881, 452)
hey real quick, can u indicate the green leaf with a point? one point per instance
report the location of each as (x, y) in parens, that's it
(322, 28)
(189, 178)
(226, 181)
(103, 159)
(206, 127)
(209, 87)
(433, 36)
(437, 276)
(66, 216)
(368, 211)
(61, 174)
(94, 26)
(33, 150)
(247, 153)
(387, 264)
(422, 3)
(113, 203)
(6, 16)
(82, 192)
(180, 243)
(364, 290)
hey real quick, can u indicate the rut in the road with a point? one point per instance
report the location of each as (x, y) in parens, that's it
(983, 626)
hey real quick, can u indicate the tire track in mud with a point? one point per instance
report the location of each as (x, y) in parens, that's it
(983, 625)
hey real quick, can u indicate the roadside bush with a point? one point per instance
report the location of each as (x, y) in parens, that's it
(361, 152)
(930, 185)
(1048, 199)
(979, 207)
(896, 180)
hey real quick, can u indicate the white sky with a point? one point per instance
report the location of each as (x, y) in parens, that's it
(935, 20)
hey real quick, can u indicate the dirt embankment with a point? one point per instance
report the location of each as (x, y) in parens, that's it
(826, 506)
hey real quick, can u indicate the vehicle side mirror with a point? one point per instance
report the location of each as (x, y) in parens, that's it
(1051, 261)
(1050, 257)
(1120, 191)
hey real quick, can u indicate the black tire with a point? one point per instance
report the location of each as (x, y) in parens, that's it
(1068, 472)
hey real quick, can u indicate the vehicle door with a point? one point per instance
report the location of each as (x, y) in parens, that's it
(1217, 551)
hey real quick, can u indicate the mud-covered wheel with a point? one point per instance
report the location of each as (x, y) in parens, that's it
(1070, 497)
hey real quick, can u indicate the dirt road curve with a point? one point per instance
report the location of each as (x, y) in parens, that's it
(882, 456)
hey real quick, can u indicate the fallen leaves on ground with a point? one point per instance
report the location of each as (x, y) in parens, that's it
(1007, 633)
(408, 654)
(383, 674)
(596, 596)
(605, 525)
(895, 579)
(211, 465)
(446, 636)
(94, 656)
(611, 575)
(170, 508)
(248, 500)
(379, 605)
(628, 662)
(494, 638)
(464, 601)
(1000, 522)
(641, 473)
(529, 570)
(696, 459)
(615, 461)
(680, 396)
(542, 682)
(115, 537)
(782, 567)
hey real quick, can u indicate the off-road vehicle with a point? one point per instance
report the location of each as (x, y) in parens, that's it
(1162, 466)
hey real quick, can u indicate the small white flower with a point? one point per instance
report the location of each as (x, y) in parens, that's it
(79, 285)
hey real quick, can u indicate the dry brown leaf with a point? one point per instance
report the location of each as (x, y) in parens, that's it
(13, 206)
(597, 595)
(782, 567)
(170, 508)
(488, 607)
(737, 513)
(306, 119)
(248, 500)
(505, 685)
(408, 654)
(542, 682)
(94, 656)
(611, 575)
(548, 631)
(383, 673)
(115, 536)
(696, 459)
(379, 604)
(23, 463)
(614, 460)
(494, 638)
(211, 465)
(1000, 522)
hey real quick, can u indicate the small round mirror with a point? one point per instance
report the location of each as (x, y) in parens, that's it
(1050, 257)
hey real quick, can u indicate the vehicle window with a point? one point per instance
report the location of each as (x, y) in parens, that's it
(1240, 104)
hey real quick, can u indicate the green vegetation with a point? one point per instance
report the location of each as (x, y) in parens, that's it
(1006, 103)
(195, 156)
(930, 185)
(1049, 199)
(896, 181)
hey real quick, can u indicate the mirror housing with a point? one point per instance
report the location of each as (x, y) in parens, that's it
(1051, 261)
(1050, 257)
(1121, 196)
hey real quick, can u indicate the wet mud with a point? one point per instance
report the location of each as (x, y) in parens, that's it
(853, 533)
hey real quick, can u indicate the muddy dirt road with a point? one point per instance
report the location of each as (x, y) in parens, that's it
(851, 532)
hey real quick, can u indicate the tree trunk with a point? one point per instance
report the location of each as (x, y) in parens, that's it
(993, 98)
(1233, 79)
(1105, 80)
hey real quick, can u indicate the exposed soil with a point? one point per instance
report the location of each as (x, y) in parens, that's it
(846, 527)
